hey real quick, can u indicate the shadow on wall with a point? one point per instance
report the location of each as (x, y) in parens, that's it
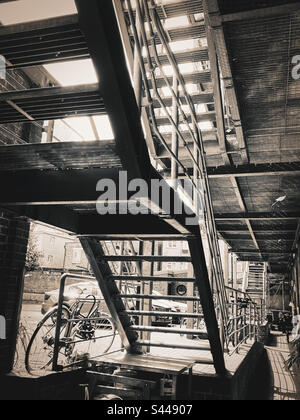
(253, 381)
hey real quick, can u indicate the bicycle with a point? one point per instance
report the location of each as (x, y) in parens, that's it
(79, 333)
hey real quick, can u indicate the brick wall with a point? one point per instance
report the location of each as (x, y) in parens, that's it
(13, 246)
(18, 133)
(13, 231)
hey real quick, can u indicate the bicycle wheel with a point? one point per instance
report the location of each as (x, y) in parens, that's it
(94, 338)
(39, 354)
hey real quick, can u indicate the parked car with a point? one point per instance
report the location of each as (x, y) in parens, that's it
(83, 290)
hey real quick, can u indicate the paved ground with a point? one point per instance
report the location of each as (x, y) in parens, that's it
(286, 382)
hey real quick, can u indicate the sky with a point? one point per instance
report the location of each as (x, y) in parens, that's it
(30, 10)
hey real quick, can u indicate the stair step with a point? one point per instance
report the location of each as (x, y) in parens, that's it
(154, 297)
(174, 346)
(165, 330)
(156, 279)
(167, 314)
(129, 258)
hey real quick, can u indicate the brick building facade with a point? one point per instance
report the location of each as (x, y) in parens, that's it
(14, 230)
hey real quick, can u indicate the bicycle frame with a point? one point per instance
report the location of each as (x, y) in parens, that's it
(63, 280)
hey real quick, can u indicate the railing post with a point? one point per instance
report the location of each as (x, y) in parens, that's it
(236, 335)
(245, 323)
(63, 279)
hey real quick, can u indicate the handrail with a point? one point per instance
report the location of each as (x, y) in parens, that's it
(197, 155)
(246, 323)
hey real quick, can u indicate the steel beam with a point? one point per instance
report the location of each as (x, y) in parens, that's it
(255, 216)
(263, 12)
(274, 169)
(203, 285)
(218, 100)
(211, 8)
(40, 93)
(99, 24)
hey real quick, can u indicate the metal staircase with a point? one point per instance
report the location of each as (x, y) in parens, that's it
(255, 285)
(135, 324)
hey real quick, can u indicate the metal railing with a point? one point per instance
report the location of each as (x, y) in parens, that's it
(245, 318)
(145, 28)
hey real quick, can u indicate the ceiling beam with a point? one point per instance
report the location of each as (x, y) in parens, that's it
(218, 98)
(243, 207)
(43, 24)
(211, 8)
(255, 216)
(257, 231)
(275, 169)
(253, 251)
(40, 93)
(262, 12)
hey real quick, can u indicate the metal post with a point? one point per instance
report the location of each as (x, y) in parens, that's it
(226, 264)
(235, 285)
(190, 305)
(148, 271)
(137, 76)
(63, 280)
(50, 131)
(174, 164)
(235, 313)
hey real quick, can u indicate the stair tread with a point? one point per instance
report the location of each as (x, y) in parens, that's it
(168, 330)
(154, 297)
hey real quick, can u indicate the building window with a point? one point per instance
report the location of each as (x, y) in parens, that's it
(76, 256)
(172, 244)
(52, 241)
(50, 259)
(170, 266)
(185, 246)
